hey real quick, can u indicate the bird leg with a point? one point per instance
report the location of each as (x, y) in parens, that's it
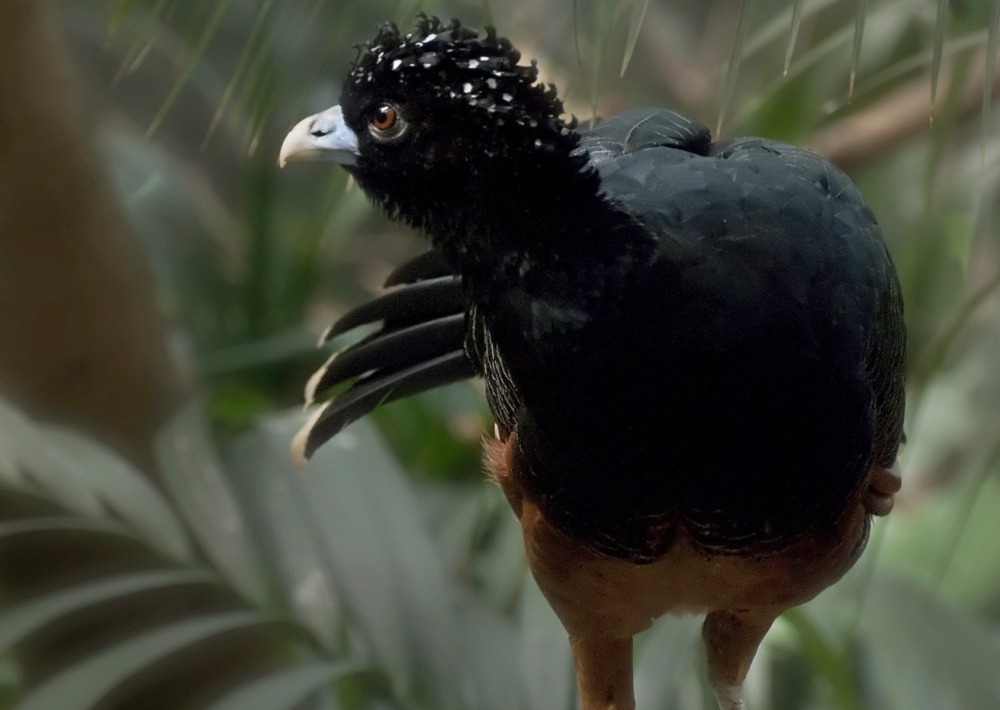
(731, 640)
(603, 672)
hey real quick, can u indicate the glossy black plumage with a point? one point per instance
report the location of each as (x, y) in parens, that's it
(738, 221)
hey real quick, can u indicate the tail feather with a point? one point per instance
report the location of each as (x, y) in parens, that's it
(420, 346)
(386, 352)
(374, 389)
(405, 305)
(429, 265)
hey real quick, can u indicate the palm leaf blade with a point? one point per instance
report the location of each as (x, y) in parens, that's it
(84, 684)
(286, 689)
(21, 621)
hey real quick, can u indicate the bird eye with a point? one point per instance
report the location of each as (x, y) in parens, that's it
(386, 123)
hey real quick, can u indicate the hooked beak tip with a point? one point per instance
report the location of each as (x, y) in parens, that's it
(324, 136)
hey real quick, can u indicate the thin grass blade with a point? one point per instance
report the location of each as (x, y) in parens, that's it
(638, 15)
(241, 68)
(580, 66)
(890, 73)
(143, 42)
(859, 34)
(940, 24)
(775, 29)
(310, 21)
(605, 29)
(793, 34)
(992, 47)
(735, 58)
(193, 61)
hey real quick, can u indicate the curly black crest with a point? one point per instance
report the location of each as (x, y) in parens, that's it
(458, 64)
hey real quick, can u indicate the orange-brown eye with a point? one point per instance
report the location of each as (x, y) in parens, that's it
(386, 125)
(384, 117)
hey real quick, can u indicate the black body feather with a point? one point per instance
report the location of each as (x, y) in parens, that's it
(681, 332)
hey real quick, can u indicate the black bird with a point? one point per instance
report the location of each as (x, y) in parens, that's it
(694, 350)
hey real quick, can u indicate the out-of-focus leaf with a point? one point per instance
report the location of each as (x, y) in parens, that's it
(286, 689)
(121, 10)
(438, 433)
(546, 664)
(664, 667)
(32, 462)
(375, 548)
(62, 524)
(825, 657)
(976, 491)
(266, 484)
(406, 9)
(84, 477)
(635, 26)
(295, 344)
(21, 621)
(194, 476)
(457, 514)
(492, 646)
(82, 685)
(125, 491)
(501, 566)
(926, 653)
(10, 681)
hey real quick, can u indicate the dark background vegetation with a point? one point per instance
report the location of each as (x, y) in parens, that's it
(162, 286)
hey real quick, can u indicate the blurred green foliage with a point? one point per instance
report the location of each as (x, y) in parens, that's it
(388, 573)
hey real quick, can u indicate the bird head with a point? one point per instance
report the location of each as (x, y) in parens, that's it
(435, 116)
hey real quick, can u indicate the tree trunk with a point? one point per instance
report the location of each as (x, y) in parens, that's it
(82, 341)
